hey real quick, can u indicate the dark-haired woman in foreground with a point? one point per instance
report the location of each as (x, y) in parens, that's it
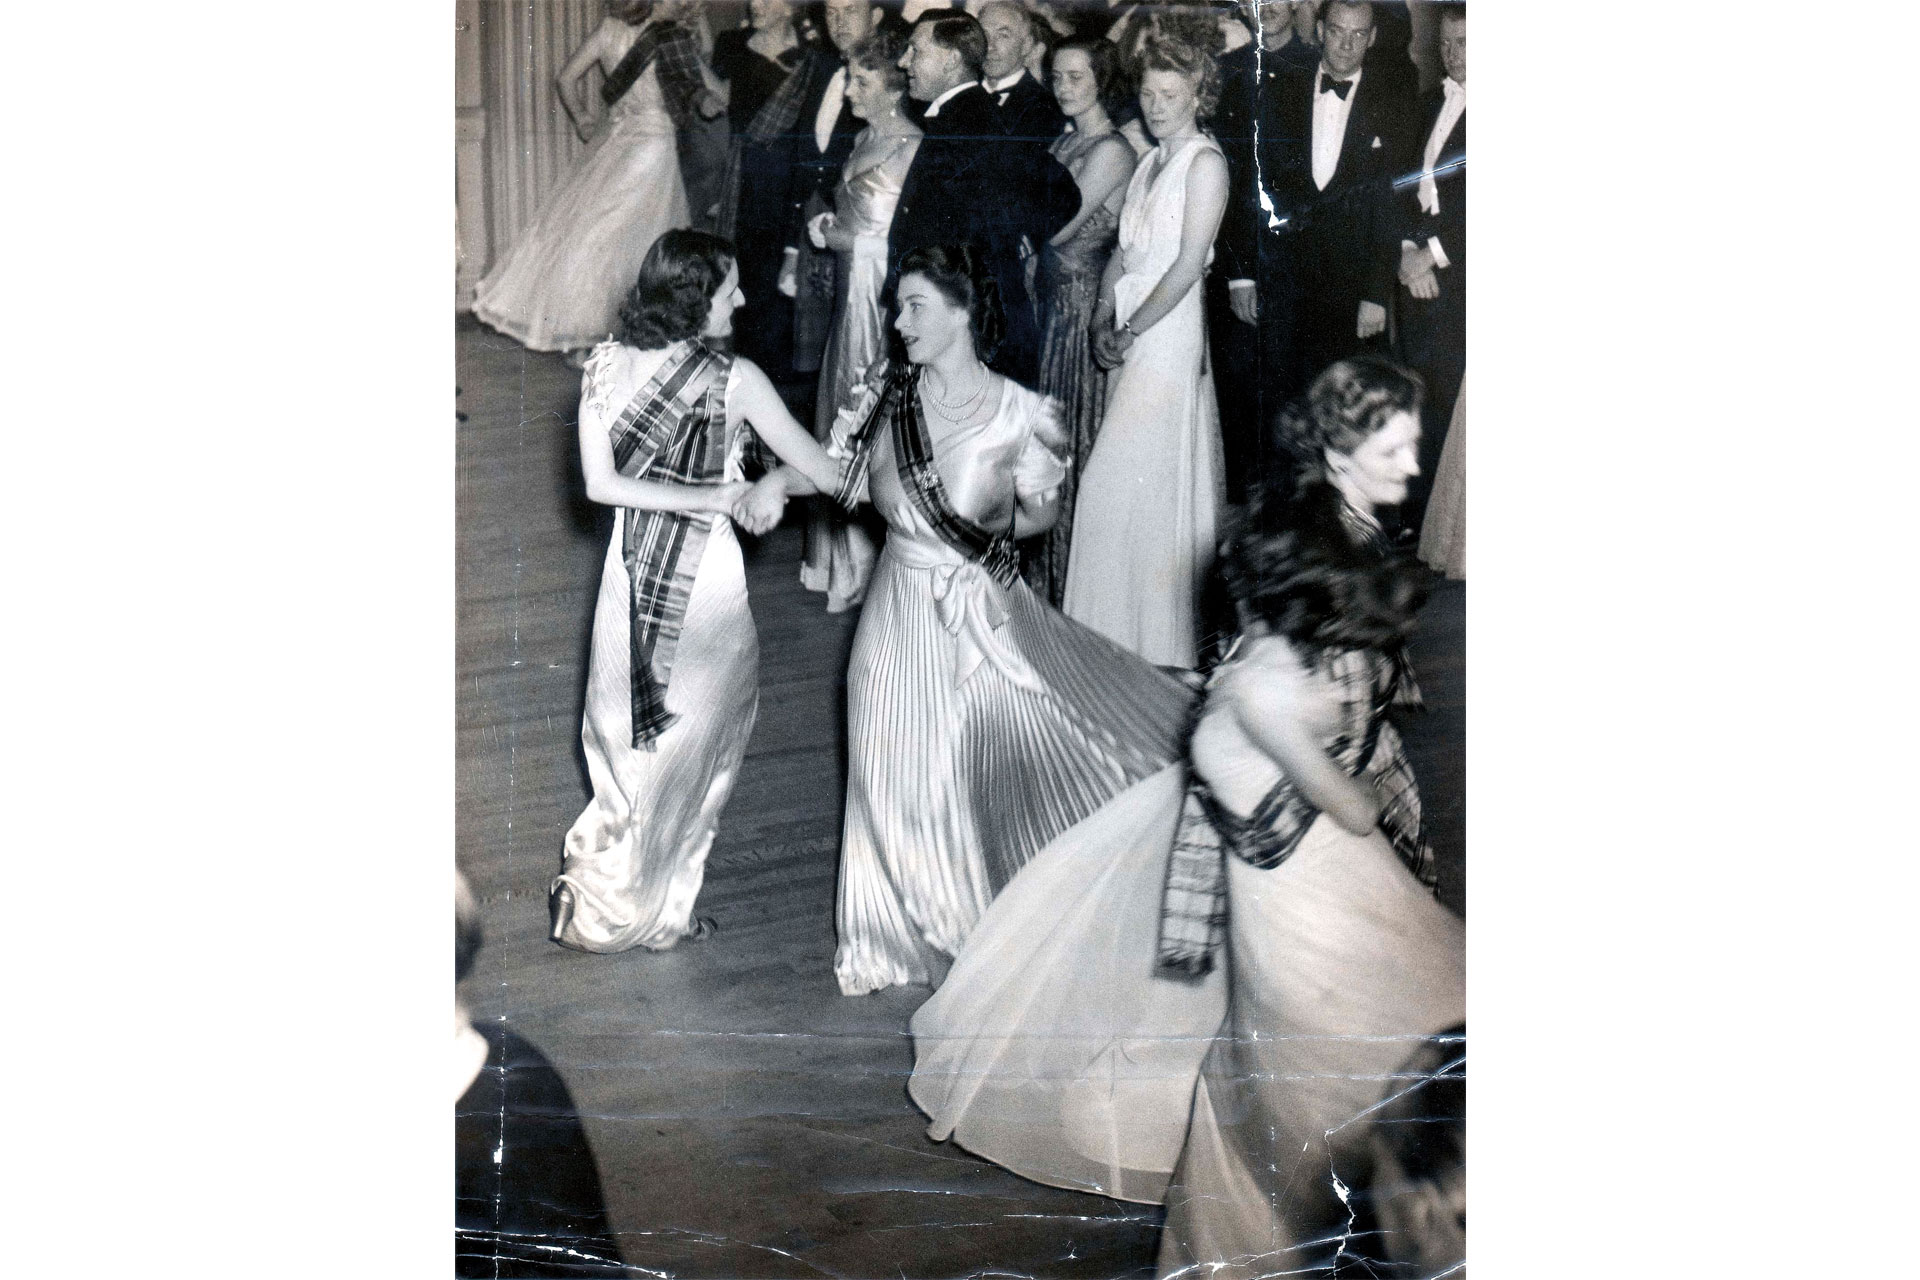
(1341, 960)
(981, 723)
(672, 681)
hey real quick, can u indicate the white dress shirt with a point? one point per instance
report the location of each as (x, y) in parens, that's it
(1454, 106)
(1330, 112)
(1001, 88)
(933, 108)
(829, 114)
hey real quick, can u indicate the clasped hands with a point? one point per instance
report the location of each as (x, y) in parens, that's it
(1110, 345)
(1417, 272)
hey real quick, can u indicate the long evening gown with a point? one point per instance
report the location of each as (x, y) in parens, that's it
(636, 857)
(981, 723)
(840, 555)
(560, 286)
(1145, 517)
(1069, 287)
(1341, 962)
(1443, 534)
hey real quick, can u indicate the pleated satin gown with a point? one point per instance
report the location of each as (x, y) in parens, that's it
(982, 724)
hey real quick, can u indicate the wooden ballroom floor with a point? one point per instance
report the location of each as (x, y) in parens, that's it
(748, 1120)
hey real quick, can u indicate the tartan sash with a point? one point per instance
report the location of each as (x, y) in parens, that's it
(630, 68)
(1193, 913)
(913, 454)
(673, 431)
(776, 116)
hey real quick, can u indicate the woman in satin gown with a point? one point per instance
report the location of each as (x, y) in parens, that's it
(981, 723)
(664, 422)
(561, 285)
(1087, 79)
(1443, 534)
(840, 554)
(1342, 963)
(1145, 518)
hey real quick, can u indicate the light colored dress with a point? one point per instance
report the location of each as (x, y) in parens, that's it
(636, 857)
(560, 286)
(1148, 506)
(981, 723)
(1341, 963)
(1443, 534)
(839, 556)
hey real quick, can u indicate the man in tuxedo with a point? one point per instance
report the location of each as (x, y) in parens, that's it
(1433, 258)
(970, 183)
(1026, 107)
(1316, 232)
(1248, 74)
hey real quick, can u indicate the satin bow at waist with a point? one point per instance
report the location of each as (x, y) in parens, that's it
(972, 607)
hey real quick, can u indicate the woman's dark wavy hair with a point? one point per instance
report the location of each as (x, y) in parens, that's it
(674, 294)
(1349, 401)
(1290, 563)
(959, 272)
(1110, 78)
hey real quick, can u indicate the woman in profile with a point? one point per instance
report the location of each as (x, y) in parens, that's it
(840, 555)
(981, 723)
(672, 681)
(1145, 516)
(1089, 85)
(561, 285)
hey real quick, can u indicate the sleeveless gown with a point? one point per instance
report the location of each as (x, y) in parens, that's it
(981, 723)
(1070, 285)
(840, 554)
(635, 858)
(1341, 963)
(1148, 505)
(560, 286)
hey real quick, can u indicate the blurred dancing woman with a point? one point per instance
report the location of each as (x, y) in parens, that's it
(672, 681)
(1341, 961)
(981, 723)
(560, 287)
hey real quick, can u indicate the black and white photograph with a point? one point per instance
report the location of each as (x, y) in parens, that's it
(961, 553)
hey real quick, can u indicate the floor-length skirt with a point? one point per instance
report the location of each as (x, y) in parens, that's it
(840, 553)
(561, 284)
(1145, 517)
(1443, 534)
(1341, 963)
(636, 857)
(1052, 1048)
(1068, 376)
(958, 778)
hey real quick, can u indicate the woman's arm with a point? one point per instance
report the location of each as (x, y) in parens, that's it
(1035, 514)
(608, 487)
(1206, 201)
(759, 404)
(1109, 165)
(567, 79)
(1267, 710)
(1106, 351)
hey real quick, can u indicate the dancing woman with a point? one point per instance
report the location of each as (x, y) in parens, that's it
(1144, 520)
(981, 723)
(1340, 959)
(561, 285)
(672, 681)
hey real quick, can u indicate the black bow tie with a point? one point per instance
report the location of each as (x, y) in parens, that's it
(1338, 88)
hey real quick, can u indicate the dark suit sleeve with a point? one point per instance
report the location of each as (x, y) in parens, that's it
(1395, 125)
(1233, 130)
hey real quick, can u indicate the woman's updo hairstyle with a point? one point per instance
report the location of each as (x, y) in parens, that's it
(1290, 563)
(631, 12)
(1349, 401)
(1187, 49)
(959, 272)
(880, 51)
(671, 300)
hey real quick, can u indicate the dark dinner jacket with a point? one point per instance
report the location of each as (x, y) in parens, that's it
(1450, 178)
(1030, 111)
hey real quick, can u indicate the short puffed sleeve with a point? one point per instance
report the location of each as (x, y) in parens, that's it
(1044, 457)
(597, 384)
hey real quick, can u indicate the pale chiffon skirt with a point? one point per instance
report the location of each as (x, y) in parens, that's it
(636, 857)
(1443, 534)
(839, 553)
(1342, 963)
(1148, 506)
(1052, 1048)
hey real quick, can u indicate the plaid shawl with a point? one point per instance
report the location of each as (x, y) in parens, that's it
(681, 83)
(775, 118)
(674, 431)
(1193, 914)
(898, 405)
